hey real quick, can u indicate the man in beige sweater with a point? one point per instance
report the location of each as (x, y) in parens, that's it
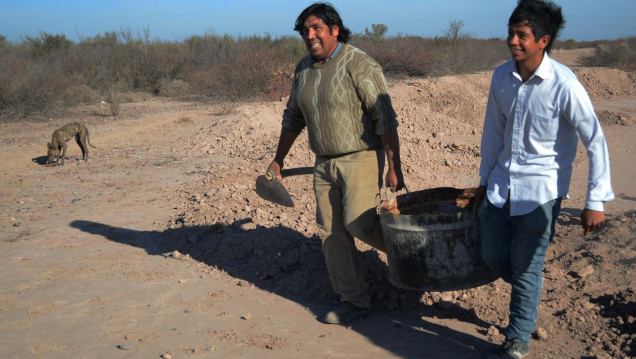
(340, 95)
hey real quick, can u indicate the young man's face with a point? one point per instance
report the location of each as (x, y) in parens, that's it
(319, 39)
(523, 45)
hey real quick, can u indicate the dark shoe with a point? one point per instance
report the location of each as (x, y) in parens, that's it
(511, 349)
(345, 313)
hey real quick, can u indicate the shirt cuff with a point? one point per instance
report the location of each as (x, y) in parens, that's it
(594, 205)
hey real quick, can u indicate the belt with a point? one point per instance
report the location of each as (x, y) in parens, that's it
(331, 157)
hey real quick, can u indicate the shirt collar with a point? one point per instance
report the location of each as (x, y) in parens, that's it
(543, 71)
(332, 54)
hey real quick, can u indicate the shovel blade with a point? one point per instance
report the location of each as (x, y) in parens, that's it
(272, 190)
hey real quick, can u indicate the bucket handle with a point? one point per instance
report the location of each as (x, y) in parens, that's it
(389, 196)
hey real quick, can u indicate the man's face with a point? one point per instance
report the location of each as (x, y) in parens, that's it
(319, 39)
(523, 45)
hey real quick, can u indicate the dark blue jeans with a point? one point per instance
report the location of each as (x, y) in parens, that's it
(514, 247)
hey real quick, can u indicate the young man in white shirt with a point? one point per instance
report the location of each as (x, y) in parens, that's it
(537, 110)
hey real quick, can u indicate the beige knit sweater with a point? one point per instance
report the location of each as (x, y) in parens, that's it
(344, 103)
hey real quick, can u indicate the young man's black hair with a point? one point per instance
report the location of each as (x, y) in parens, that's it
(543, 17)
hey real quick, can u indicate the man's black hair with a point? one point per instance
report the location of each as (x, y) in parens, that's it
(328, 14)
(542, 16)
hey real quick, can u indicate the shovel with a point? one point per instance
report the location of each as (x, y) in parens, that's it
(270, 189)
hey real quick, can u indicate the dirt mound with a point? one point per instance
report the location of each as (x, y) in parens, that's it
(602, 82)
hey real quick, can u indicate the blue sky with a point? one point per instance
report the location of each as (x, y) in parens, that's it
(176, 20)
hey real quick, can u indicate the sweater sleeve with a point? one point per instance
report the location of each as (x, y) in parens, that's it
(293, 118)
(373, 92)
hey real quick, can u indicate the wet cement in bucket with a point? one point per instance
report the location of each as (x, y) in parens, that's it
(433, 243)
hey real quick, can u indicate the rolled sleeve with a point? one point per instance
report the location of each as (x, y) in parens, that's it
(595, 205)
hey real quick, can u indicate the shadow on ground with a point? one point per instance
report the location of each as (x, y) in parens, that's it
(41, 160)
(290, 264)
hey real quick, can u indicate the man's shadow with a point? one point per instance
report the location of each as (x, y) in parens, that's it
(291, 264)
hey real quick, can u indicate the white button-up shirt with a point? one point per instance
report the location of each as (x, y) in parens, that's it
(530, 136)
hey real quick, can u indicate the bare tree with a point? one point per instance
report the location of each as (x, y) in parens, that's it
(454, 30)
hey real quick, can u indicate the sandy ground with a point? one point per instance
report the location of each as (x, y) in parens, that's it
(158, 246)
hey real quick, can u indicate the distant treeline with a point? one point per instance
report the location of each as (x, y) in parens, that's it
(41, 76)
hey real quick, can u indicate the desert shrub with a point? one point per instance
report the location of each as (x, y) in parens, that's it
(28, 86)
(4, 44)
(47, 74)
(566, 45)
(131, 64)
(173, 88)
(153, 62)
(134, 96)
(400, 56)
(211, 49)
(620, 54)
(377, 31)
(417, 56)
(113, 99)
(79, 95)
(293, 48)
(217, 67)
(468, 55)
(237, 70)
(47, 43)
(453, 33)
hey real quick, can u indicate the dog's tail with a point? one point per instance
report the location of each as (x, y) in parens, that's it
(88, 139)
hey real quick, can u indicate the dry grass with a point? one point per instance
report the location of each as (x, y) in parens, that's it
(41, 77)
(620, 54)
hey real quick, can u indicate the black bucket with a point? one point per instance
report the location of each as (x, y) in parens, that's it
(433, 244)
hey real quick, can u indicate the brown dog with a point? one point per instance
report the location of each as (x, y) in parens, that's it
(63, 135)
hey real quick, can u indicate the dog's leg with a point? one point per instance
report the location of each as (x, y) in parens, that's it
(58, 150)
(60, 162)
(49, 154)
(81, 142)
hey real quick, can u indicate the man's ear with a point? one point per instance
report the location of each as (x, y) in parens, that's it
(544, 41)
(335, 30)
